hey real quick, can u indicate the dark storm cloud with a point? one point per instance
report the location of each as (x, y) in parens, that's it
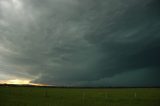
(83, 43)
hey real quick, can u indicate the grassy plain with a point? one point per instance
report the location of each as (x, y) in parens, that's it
(34, 96)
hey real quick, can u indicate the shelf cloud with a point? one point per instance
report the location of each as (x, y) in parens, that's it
(81, 42)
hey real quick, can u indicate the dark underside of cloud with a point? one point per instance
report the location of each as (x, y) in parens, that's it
(81, 42)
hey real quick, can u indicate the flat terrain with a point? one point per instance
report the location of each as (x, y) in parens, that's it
(34, 96)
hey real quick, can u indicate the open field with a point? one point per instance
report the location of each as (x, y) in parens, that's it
(34, 96)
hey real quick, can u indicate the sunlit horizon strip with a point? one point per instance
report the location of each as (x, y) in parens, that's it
(21, 82)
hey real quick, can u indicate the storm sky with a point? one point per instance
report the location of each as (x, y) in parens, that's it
(81, 42)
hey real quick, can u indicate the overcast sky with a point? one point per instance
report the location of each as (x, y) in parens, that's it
(81, 42)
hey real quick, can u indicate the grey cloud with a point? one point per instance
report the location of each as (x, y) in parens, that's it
(71, 42)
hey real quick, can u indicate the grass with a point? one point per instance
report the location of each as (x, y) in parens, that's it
(34, 96)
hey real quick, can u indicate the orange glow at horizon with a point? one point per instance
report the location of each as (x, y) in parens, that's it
(20, 82)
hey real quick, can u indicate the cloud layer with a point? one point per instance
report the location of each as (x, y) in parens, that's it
(81, 42)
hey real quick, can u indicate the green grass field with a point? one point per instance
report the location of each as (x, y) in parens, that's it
(28, 96)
